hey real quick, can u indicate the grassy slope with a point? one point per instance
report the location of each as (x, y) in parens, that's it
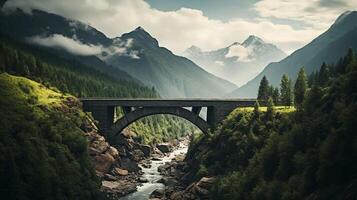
(43, 154)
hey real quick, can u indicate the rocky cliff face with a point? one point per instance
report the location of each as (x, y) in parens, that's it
(118, 170)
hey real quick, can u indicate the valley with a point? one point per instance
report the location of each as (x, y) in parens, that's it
(88, 113)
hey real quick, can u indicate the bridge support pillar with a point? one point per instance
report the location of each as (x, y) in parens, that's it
(104, 115)
(215, 115)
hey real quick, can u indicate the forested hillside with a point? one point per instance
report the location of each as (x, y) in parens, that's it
(82, 81)
(43, 150)
(307, 154)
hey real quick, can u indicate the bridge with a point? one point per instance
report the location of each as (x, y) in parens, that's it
(103, 110)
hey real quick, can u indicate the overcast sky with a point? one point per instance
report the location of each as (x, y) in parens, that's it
(208, 24)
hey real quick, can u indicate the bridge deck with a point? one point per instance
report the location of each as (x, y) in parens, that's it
(167, 102)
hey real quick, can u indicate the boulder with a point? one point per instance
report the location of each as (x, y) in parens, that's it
(169, 181)
(202, 187)
(176, 196)
(121, 172)
(118, 188)
(137, 155)
(113, 151)
(206, 182)
(100, 144)
(146, 149)
(164, 147)
(130, 165)
(103, 162)
(158, 193)
(109, 177)
(143, 180)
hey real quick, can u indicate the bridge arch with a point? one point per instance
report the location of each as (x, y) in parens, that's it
(139, 113)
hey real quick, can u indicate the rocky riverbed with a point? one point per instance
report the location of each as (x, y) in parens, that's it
(153, 182)
(129, 170)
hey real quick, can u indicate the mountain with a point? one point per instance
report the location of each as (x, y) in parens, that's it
(135, 55)
(238, 62)
(329, 47)
(171, 75)
(57, 35)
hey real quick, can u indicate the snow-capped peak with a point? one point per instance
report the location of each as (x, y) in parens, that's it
(252, 40)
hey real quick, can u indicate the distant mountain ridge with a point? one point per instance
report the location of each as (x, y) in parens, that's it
(239, 62)
(329, 47)
(171, 75)
(136, 54)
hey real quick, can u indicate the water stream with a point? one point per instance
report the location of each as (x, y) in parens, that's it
(153, 175)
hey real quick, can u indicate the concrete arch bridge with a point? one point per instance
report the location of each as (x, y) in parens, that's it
(103, 110)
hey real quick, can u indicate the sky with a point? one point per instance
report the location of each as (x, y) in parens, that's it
(208, 24)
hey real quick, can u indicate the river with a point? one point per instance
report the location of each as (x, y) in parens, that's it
(153, 175)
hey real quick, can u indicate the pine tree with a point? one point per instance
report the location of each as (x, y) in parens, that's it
(269, 115)
(276, 95)
(263, 92)
(285, 90)
(256, 112)
(300, 88)
(324, 75)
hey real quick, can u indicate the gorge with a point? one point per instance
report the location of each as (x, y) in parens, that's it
(94, 106)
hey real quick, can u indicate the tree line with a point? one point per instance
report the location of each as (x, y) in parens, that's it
(307, 154)
(286, 95)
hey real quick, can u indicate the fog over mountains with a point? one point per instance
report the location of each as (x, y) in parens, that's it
(239, 62)
(135, 55)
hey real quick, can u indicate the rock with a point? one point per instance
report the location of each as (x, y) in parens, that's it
(158, 193)
(118, 188)
(122, 150)
(206, 182)
(164, 147)
(93, 151)
(156, 159)
(109, 177)
(130, 165)
(137, 155)
(157, 151)
(146, 149)
(103, 162)
(176, 196)
(100, 144)
(113, 151)
(121, 172)
(179, 158)
(169, 181)
(202, 187)
(146, 165)
(143, 180)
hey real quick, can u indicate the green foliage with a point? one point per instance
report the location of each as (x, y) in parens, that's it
(286, 91)
(263, 92)
(43, 153)
(235, 142)
(83, 81)
(307, 154)
(73, 78)
(300, 88)
(161, 128)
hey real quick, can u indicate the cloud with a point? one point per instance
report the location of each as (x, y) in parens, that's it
(71, 45)
(122, 48)
(314, 13)
(182, 28)
(220, 63)
(76, 47)
(241, 53)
